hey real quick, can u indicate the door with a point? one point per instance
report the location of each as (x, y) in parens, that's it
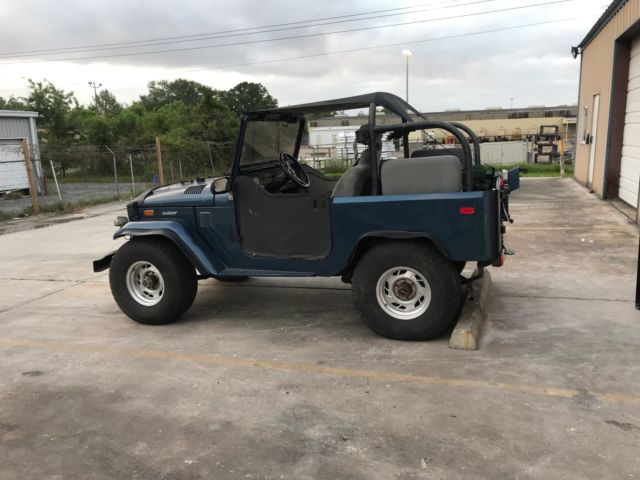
(630, 163)
(284, 225)
(594, 132)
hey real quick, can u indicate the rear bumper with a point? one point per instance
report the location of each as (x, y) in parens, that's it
(103, 263)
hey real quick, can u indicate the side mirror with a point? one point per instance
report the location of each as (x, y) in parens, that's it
(221, 185)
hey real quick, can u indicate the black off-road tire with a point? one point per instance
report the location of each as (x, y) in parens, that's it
(179, 276)
(442, 277)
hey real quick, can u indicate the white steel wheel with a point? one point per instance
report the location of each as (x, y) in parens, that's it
(145, 283)
(403, 293)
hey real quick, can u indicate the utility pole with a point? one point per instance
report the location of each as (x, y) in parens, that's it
(407, 53)
(95, 93)
(511, 102)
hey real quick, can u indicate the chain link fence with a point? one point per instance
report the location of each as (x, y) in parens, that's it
(75, 175)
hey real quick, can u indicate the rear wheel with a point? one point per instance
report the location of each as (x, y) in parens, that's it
(152, 281)
(406, 290)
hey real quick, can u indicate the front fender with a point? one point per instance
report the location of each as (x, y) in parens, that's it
(188, 241)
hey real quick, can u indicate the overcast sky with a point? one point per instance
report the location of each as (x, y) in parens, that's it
(531, 64)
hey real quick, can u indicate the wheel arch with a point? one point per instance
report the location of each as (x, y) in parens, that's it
(192, 247)
(366, 242)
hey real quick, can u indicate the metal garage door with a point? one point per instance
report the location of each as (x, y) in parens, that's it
(13, 171)
(630, 166)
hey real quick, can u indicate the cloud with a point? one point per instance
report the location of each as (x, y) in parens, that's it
(532, 64)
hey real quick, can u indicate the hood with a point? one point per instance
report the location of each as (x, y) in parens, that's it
(183, 194)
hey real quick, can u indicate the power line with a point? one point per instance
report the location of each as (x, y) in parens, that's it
(203, 38)
(133, 43)
(374, 47)
(268, 40)
(353, 50)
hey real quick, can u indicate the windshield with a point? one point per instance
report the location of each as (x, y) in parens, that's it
(265, 139)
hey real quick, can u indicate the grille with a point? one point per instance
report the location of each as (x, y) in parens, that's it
(206, 220)
(194, 189)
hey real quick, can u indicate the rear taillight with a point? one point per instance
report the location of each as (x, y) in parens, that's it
(466, 210)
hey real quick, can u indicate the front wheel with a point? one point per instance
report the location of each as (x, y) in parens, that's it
(151, 281)
(406, 290)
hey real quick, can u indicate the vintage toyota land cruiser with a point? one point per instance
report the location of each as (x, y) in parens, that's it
(399, 230)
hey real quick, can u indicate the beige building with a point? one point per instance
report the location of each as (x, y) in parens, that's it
(490, 123)
(608, 146)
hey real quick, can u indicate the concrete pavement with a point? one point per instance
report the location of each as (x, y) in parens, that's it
(278, 378)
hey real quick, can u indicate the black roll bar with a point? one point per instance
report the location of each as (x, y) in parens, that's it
(474, 137)
(373, 154)
(407, 127)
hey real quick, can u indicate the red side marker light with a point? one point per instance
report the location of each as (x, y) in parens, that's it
(466, 210)
(148, 213)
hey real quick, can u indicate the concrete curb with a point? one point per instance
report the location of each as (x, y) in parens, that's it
(467, 332)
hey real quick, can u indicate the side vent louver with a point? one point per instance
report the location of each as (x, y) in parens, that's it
(194, 189)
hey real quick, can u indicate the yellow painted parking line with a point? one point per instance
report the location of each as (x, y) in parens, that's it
(49, 345)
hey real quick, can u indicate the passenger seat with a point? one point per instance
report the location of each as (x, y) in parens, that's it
(438, 174)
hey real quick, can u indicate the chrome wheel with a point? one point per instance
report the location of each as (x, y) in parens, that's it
(145, 283)
(403, 293)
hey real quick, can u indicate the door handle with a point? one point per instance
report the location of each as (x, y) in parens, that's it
(319, 204)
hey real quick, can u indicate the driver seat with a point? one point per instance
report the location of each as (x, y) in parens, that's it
(357, 180)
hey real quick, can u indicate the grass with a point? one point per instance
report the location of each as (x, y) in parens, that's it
(63, 207)
(526, 169)
(335, 167)
(536, 169)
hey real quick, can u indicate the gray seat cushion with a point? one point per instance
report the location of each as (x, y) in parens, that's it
(441, 174)
(355, 181)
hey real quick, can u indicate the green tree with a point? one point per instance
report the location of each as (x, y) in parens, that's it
(12, 103)
(248, 96)
(106, 104)
(164, 92)
(53, 106)
(98, 130)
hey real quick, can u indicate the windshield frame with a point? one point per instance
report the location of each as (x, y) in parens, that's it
(265, 117)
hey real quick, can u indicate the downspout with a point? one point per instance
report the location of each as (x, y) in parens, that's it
(575, 51)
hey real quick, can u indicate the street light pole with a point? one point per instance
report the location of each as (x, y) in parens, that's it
(95, 93)
(407, 53)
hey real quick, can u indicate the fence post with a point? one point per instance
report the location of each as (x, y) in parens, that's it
(561, 147)
(159, 157)
(213, 172)
(55, 179)
(32, 182)
(115, 170)
(133, 182)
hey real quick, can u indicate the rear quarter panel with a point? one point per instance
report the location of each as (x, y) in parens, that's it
(434, 216)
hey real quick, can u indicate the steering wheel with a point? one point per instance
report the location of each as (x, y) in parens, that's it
(293, 169)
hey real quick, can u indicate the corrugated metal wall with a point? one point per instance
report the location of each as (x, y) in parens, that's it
(14, 128)
(596, 78)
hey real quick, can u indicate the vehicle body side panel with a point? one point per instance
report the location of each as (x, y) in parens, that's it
(209, 235)
(433, 216)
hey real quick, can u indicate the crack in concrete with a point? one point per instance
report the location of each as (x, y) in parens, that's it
(31, 300)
